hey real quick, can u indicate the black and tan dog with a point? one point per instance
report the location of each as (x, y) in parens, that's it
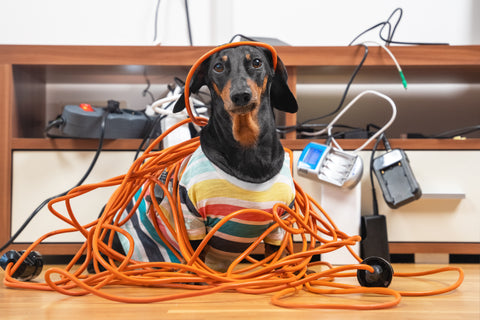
(240, 137)
(240, 163)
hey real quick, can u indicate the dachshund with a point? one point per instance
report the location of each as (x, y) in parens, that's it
(240, 163)
(240, 141)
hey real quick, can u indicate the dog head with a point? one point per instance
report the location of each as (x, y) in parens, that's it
(242, 79)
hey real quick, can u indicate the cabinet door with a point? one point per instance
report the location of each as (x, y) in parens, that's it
(38, 175)
(448, 210)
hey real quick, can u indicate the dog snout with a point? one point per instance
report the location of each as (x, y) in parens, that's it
(241, 98)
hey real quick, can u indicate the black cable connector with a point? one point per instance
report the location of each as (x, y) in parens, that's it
(29, 269)
(113, 106)
(57, 123)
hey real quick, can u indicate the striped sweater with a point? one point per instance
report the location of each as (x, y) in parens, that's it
(207, 195)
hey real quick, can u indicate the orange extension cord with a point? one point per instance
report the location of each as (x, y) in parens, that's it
(282, 274)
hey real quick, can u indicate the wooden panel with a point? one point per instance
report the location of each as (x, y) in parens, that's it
(291, 56)
(129, 74)
(293, 144)
(435, 247)
(291, 119)
(406, 56)
(51, 248)
(6, 94)
(388, 74)
(74, 144)
(101, 55)
(29, 112)
(408, 144)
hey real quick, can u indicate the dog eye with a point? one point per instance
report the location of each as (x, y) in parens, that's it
(257, 63)
(219, 67)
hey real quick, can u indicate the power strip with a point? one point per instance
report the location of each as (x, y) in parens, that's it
(84, 121)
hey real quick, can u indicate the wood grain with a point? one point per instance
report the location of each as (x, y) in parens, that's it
(186, 56)
(6, 101)
(463, 303)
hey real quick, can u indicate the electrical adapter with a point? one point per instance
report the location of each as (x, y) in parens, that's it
(337, 167)
(84, 121)
(374, 237)
(396, 178)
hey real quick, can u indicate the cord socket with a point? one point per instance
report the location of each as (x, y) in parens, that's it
(396, 178)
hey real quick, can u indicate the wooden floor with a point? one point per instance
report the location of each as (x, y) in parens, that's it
(463, 303)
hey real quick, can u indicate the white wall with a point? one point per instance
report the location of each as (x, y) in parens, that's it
(338, 22)
(299, 22)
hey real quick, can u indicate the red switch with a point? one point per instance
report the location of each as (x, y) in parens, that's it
(86, 107)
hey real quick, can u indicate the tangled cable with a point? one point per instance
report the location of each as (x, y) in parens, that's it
(282, 274)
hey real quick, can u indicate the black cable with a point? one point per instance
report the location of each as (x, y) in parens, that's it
(82, 180)
(147, 89)
(450, 134)
(389, 40)
(374, 192)
(187, 14)
(457, 132)
(342, 100)
(381, 24)
(388, 148)
(148, 136)
(391, 31)
(386, 143)
(241, 36)
(59, 121)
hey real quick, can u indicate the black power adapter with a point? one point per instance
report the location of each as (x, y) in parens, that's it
(399, 187)
(396, 178)
(374, 237)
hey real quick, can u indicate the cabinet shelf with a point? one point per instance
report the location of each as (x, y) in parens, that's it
(293, 144)
(421, 56)
(28, 72)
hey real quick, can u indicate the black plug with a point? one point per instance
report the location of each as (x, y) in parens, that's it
(30, 268)
(381, 276)
(113, 106)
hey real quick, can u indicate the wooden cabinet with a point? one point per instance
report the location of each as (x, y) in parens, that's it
(27, 74)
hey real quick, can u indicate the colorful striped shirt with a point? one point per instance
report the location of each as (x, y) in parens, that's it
(208, 195)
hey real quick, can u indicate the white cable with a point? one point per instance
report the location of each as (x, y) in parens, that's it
(387, 50)
(351, 103)
(400, 71)
(167, 99)
(333, 139)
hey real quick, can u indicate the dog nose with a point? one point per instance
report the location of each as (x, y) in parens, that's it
(241, 98)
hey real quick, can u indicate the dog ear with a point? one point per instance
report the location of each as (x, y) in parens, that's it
(180, 104)
(198, 80)
(280, 95)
